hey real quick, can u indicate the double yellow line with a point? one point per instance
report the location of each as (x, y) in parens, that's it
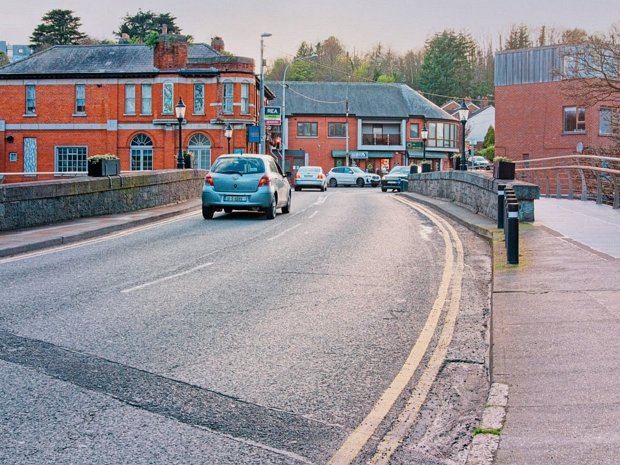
(448, 296)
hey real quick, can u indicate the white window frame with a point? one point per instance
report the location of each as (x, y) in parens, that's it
(611, 118)
(31, 99)
(336, 124)
(80, 99)
(245, 98)
(577, 110)
(313, 131)
(228, 98)
(77, 159)
(146, 99)
(199, 98)
(130, 98)
(167, 98)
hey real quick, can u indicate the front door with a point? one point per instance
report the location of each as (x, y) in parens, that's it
(30, 155)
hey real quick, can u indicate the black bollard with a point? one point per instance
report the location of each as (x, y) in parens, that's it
(500, 205)
(512, 237)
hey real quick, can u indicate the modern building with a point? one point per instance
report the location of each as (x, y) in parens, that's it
(535, 117)
(20, 52)
(65, 103)
(374, 126)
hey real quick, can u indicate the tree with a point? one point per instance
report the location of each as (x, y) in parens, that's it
(138, 26)
(574, 36)
(59, 27)
(519, 38)
(448, 68)
(489, 138)
(4, 60)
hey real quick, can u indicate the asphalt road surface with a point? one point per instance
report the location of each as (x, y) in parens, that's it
(351, 330)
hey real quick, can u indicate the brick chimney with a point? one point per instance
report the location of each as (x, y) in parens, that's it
(170, 52)
(217, 43)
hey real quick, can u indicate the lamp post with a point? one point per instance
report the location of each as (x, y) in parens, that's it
(261, 123)
(180, 113)
(463, 114)
(228, 133)
(284, 145)
(424, 138)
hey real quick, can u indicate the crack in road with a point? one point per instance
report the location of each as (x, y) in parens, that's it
(276, 430)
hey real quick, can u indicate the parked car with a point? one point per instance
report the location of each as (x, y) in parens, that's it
(479, 162)
(393, 178)
(245, 182)
(310, 176)
(351, 176)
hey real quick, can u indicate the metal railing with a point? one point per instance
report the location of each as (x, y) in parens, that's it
(588, 177)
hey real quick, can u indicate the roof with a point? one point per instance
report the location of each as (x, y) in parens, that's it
(369, 100)
(96, 59)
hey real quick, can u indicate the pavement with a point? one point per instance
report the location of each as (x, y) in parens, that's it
(555, 326)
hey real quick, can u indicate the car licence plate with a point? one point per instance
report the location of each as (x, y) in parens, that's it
(235, 198)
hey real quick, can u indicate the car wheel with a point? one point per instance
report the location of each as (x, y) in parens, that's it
(227, 210)
(360, 182)
(297, 188)
(333, 182)
(287, 208)
(323, 188)
(207, 213)
(374, 184)
(270, 211)
(384, 189)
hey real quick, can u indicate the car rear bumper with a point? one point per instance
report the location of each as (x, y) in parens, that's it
(236, 200)
(309, 183)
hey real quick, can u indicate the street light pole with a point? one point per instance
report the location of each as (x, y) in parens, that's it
(261, 123)
(463, 114)
(424, 138)
(228, 132)
(180, 114)
(284, 144)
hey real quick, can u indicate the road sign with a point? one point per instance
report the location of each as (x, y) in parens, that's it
(273, 116)
(253, 134)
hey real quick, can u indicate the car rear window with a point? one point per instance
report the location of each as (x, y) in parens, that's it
(238, 165)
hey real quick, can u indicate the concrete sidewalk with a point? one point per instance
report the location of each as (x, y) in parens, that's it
(555, 325)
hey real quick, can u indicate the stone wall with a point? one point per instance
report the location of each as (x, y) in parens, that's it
(475, 190)
(30, 204)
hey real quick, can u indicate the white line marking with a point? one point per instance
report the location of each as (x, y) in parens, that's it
(284, 232)
(166, 278)
(313, 215)
(321, 200)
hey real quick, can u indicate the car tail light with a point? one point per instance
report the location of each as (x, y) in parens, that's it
(264, 181)
(209, 180)
(320, 176)
(297, 176)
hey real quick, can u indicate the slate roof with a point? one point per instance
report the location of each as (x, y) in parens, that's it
(95, 59)
(367, 100)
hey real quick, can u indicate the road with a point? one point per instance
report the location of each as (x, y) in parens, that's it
(242, 340)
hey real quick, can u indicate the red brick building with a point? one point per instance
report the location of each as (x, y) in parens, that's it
(376, 125)
(66, 103)
(534, 118)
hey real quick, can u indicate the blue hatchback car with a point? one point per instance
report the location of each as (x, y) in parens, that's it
(245, 182)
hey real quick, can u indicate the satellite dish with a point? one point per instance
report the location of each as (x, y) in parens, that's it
(579, 147)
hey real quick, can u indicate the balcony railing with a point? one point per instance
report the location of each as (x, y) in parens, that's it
(588, 177)
(385, 139)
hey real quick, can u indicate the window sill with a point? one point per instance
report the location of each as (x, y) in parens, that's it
(79, 115)
(198, 114)
(146, 114)
(129, 114)
(307, 137)
(30, 115)
(572, 133)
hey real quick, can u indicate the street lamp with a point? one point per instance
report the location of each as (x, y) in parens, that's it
(424, 138)
(261, 124)
(180, 112)
(228, 133)
(284, 145)
(463, 114)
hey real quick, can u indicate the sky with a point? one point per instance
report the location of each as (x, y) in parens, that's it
(360, 25)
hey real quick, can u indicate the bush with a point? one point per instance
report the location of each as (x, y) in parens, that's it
(488, 152)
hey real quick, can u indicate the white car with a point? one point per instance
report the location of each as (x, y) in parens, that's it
(478, 162)
(310, 176)
(351, 176)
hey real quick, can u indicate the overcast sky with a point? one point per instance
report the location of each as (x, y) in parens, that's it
(359, 24)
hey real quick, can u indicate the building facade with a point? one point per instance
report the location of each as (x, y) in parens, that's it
(66, 103)
(534, 116)
(374, 126)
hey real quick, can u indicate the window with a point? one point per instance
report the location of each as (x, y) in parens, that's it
(130, 99)
(336, 130)
(245, 98)
(80, 98)
(574, 119)
(69, 159)
(168, 96)
(228, 97)
(414, 131)
(380, 134)
(442, 135)
(146, 104)
(31, 107)
(200, 146)
(199, 99)
(609, 121)
(141, 153)
(307, 129)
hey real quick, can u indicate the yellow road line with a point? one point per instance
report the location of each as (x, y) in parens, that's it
(362, 434)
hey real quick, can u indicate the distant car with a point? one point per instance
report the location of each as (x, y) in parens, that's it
(245, 182)
(393, 178)
(310, 176)
(351, 176)
(479, 162)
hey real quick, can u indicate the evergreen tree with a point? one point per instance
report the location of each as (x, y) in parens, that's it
(519, 38)
(4, 60)
(138, 26)
(489, 138)
(59, 27)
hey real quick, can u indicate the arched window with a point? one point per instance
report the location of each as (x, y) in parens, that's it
(141, 151)
(200, 146)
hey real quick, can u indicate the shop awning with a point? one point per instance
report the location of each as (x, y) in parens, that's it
(429, 155)
(357, 154)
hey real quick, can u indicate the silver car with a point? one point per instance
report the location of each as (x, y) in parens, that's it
(351, 176)
(310, 176)
(245, 182)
